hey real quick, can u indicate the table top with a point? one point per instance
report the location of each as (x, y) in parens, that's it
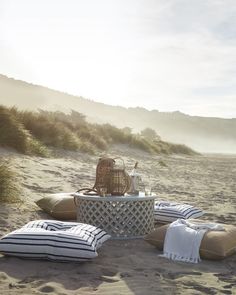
(126, 197)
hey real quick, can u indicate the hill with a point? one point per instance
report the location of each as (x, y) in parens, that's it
(32, 132)
(200, 133)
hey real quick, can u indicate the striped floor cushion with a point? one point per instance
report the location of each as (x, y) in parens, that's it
(54, 240)
(171, 211)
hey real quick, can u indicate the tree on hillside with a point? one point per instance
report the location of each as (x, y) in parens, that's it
(150, 134)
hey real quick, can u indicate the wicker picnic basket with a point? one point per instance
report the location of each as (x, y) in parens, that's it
(111, 178)
(119, 180)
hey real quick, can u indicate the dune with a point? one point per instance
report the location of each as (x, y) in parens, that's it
(123, 266)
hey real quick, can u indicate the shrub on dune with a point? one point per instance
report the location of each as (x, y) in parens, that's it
(35, 147)
(138, 142)
(112, 134)
(73, 121)
(9, 191)
(181, 149)
(49, 131)
(30, 132)
(89, 134)
(87, 147)
(14, 135)
(52, 129)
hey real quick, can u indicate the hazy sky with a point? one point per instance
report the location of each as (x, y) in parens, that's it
(160, 54)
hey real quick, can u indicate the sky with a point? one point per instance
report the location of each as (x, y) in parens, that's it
(167, 55)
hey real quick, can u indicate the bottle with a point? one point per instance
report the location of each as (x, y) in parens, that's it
(135, 177)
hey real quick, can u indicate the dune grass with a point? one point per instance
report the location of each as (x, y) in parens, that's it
(9, 190)
(180, 149)
(36, 132)
(14, 134)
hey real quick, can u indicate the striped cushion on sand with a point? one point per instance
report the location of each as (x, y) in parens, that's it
(170, 211)
(54, 240)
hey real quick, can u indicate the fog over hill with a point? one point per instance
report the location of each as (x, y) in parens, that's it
(200, 133)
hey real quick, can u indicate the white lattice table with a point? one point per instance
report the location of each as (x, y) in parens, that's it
(122, 217)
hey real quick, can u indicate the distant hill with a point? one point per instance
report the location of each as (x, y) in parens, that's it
(201, 133)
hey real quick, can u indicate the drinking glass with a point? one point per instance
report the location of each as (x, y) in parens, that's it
(103, 191)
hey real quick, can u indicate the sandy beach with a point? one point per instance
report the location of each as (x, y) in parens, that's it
(128, 266)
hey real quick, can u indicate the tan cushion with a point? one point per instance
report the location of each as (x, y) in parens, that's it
(60, 206)
(215, 244)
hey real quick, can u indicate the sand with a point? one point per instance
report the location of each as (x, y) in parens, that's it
(122, 267)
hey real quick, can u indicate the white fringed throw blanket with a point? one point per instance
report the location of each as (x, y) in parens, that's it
(183, 240)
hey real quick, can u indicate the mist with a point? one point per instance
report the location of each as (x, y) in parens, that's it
(203, 134)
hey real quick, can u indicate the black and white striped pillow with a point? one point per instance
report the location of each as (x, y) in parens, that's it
(51, 225)
(169, 212)
(54, 240)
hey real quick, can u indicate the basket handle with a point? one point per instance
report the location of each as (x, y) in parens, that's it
(119, 158)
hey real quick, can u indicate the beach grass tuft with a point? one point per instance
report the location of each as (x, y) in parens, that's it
(9, 190)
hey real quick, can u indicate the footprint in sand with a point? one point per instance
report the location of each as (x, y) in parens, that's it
(39, 189)
(109, 279)
(176, 275)
(16, 286)
(108, 275)
(56, 173)
(3, 276)
(226, 292)
(47, 289)
(3, 222)
(125, 275)
(108, 272)
(201, 288)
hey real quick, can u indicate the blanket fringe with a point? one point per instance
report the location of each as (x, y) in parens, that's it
(176, 257)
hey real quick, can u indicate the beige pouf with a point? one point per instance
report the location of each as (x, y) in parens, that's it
(60, 206)
(215, 245)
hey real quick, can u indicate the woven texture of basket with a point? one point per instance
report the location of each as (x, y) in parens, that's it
(111, 178)
(119, 182)
(103, 172)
